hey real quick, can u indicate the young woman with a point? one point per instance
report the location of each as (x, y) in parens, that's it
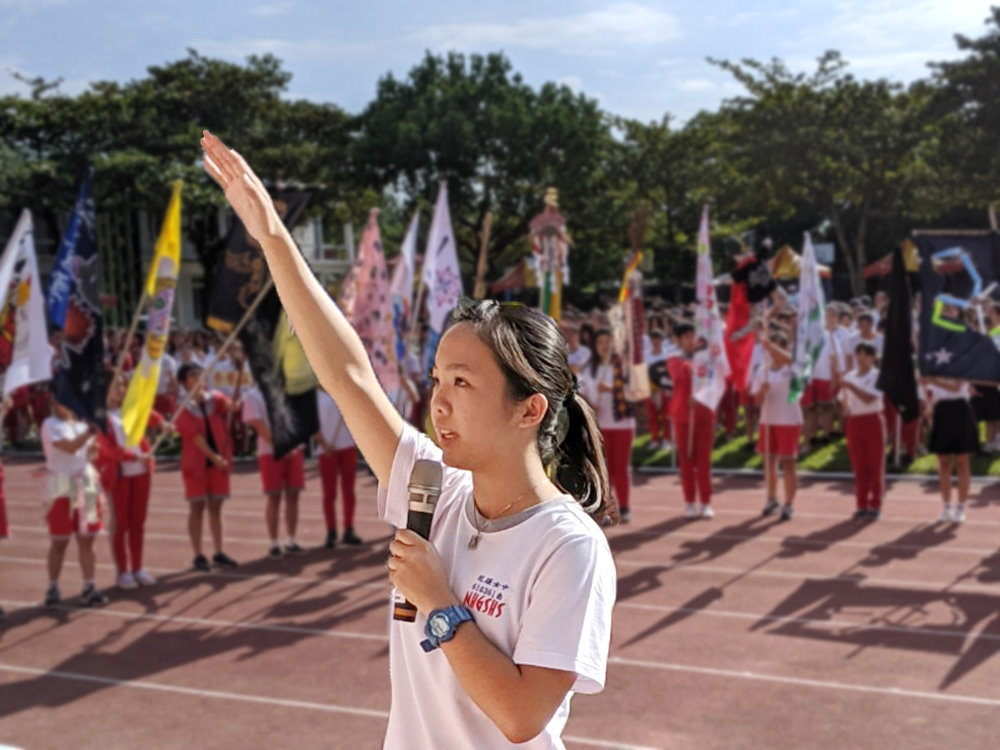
(780, 424)
(953, 434)
(511, 537)
(602, 383)
(73, 501)
(126, 476)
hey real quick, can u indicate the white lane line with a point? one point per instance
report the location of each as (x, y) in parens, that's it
(919, 585)
(80, 677)
(853, 626)
(803, 682)
(223, 624)
(640, 509)
(257, 699)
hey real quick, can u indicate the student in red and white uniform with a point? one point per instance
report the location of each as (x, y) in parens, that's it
(694, 451)
(126, 475)
(73, 501)
(206, 458)
(954, 436)
(819, 397)
(780, 423)
(862, 409)
(658, 403)
(866, 334)
(278, 476)
(338, 460)
(602, 384)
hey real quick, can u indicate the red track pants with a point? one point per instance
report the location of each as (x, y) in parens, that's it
(866, 446)
(696, 464)
(130, 502)
(909, 432)
(658, 416)
(345, 463)
(618, 448)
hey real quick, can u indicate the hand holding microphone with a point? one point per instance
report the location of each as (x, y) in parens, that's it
(425, 489)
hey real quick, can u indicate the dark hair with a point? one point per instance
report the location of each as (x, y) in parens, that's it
(864, 348)
(595, 358)
(533, 356)
(866, 316)
(682, 328)
(186, 369)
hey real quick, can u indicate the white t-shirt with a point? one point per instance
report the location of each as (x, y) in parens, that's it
(776, 410)
(855, 406)
(57, 461)
(541, 591)
(331, 423)
(255, 408)
(823, 369)
(877, 342)
(129, 468)
(603, 402)
(579, 358)
(937, 393)
(225, 376)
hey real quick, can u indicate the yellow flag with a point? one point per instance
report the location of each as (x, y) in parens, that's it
(160, 284)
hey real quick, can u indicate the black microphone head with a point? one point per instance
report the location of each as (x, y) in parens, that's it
(426, 477)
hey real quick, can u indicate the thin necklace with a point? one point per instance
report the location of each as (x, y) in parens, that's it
(477, 537)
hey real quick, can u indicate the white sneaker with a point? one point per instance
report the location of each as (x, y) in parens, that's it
(707, 512)
(691, 511)
(127, 581)
(959, 515)
(945, 516)
(144, 578)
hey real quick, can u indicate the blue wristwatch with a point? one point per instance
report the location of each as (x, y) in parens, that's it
(442, 624)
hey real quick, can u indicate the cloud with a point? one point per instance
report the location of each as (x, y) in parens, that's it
(272, 9)
(575, 83)
(613, 27)
(697, 84)
(322, 48)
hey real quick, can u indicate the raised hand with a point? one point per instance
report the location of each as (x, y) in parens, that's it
(244, 190)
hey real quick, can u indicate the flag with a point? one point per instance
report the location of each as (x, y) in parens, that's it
(24, 350)
(74, 305)
(897, 379)
(401, 287)
(372, 316)
(953, 268)
(711, 367)
(809, 337)
(739, 352)
(160, 284)
(441, 274)
(277, 360)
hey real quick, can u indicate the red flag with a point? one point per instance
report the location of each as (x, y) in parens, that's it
(741, 351)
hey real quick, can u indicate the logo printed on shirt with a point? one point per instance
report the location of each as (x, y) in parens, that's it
(486, 596)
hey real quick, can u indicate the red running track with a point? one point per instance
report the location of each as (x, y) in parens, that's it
(739, 632)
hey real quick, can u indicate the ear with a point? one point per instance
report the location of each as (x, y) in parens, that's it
(531, 411)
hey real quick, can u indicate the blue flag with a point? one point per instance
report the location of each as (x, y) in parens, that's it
(74, 305)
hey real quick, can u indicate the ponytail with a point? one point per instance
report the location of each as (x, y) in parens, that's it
(578, 467)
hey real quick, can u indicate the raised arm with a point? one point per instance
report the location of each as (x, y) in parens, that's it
(333, 347)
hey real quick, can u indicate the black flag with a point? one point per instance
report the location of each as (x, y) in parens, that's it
(955, 272)
(279, 367)
(897, 379)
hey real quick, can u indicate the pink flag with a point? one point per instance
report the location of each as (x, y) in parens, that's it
(371, 304)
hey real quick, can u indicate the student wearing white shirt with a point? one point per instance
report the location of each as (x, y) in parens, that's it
(285, 475)
(862, 405)
(578, 355)
(780, 424)
(338, 459)
(819, 396)
(953, 434)
(73, 501)
(867, 334)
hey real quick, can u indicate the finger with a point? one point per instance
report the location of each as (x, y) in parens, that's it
(392, 564)
(396, 549)
(241, 165)
(407, 537)
(214, 172)
(221, 156)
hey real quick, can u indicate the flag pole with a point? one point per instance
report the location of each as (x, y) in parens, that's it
(479, 291)
(120, 363)
(225, 345)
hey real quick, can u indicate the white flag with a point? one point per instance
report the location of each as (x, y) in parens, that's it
(25, 356)
(401, 286)
(441, 274)
(809, 336)
(710, 364)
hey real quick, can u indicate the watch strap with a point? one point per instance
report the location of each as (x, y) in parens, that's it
(456, 614)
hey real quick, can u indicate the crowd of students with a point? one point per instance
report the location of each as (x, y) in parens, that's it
(842, 398)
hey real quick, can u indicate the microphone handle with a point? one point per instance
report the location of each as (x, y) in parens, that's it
(420, 523)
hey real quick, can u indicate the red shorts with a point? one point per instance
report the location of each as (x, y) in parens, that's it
(285, 473)
(818, 392)
(783, 440)
(64, 523)
(213, 483)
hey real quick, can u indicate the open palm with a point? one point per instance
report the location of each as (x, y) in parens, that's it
(244, 190)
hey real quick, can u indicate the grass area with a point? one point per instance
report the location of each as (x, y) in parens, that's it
(736, 454)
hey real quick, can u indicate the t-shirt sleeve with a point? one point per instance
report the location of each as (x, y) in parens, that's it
(249, 411)
(567, 623)
(393, 496)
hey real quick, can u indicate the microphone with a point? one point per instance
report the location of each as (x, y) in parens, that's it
(425, 488)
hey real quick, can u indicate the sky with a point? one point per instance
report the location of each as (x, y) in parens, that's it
(639, 58)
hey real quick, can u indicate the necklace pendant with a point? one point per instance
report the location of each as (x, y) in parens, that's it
(474, 541)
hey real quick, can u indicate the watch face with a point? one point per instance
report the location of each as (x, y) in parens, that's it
(439, 625)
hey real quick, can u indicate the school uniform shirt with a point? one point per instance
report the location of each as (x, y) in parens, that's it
(878, 342)
(255, 408)
(190, 422)
(579, 358)
(681, 374)
(129, 468)
(541, 591)
(225, 377)
(937, 393)
(823, 369)
(775, 410)
(603, 402)
(168, 370)
(855, 406)
(59, 462)
(331, 423)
